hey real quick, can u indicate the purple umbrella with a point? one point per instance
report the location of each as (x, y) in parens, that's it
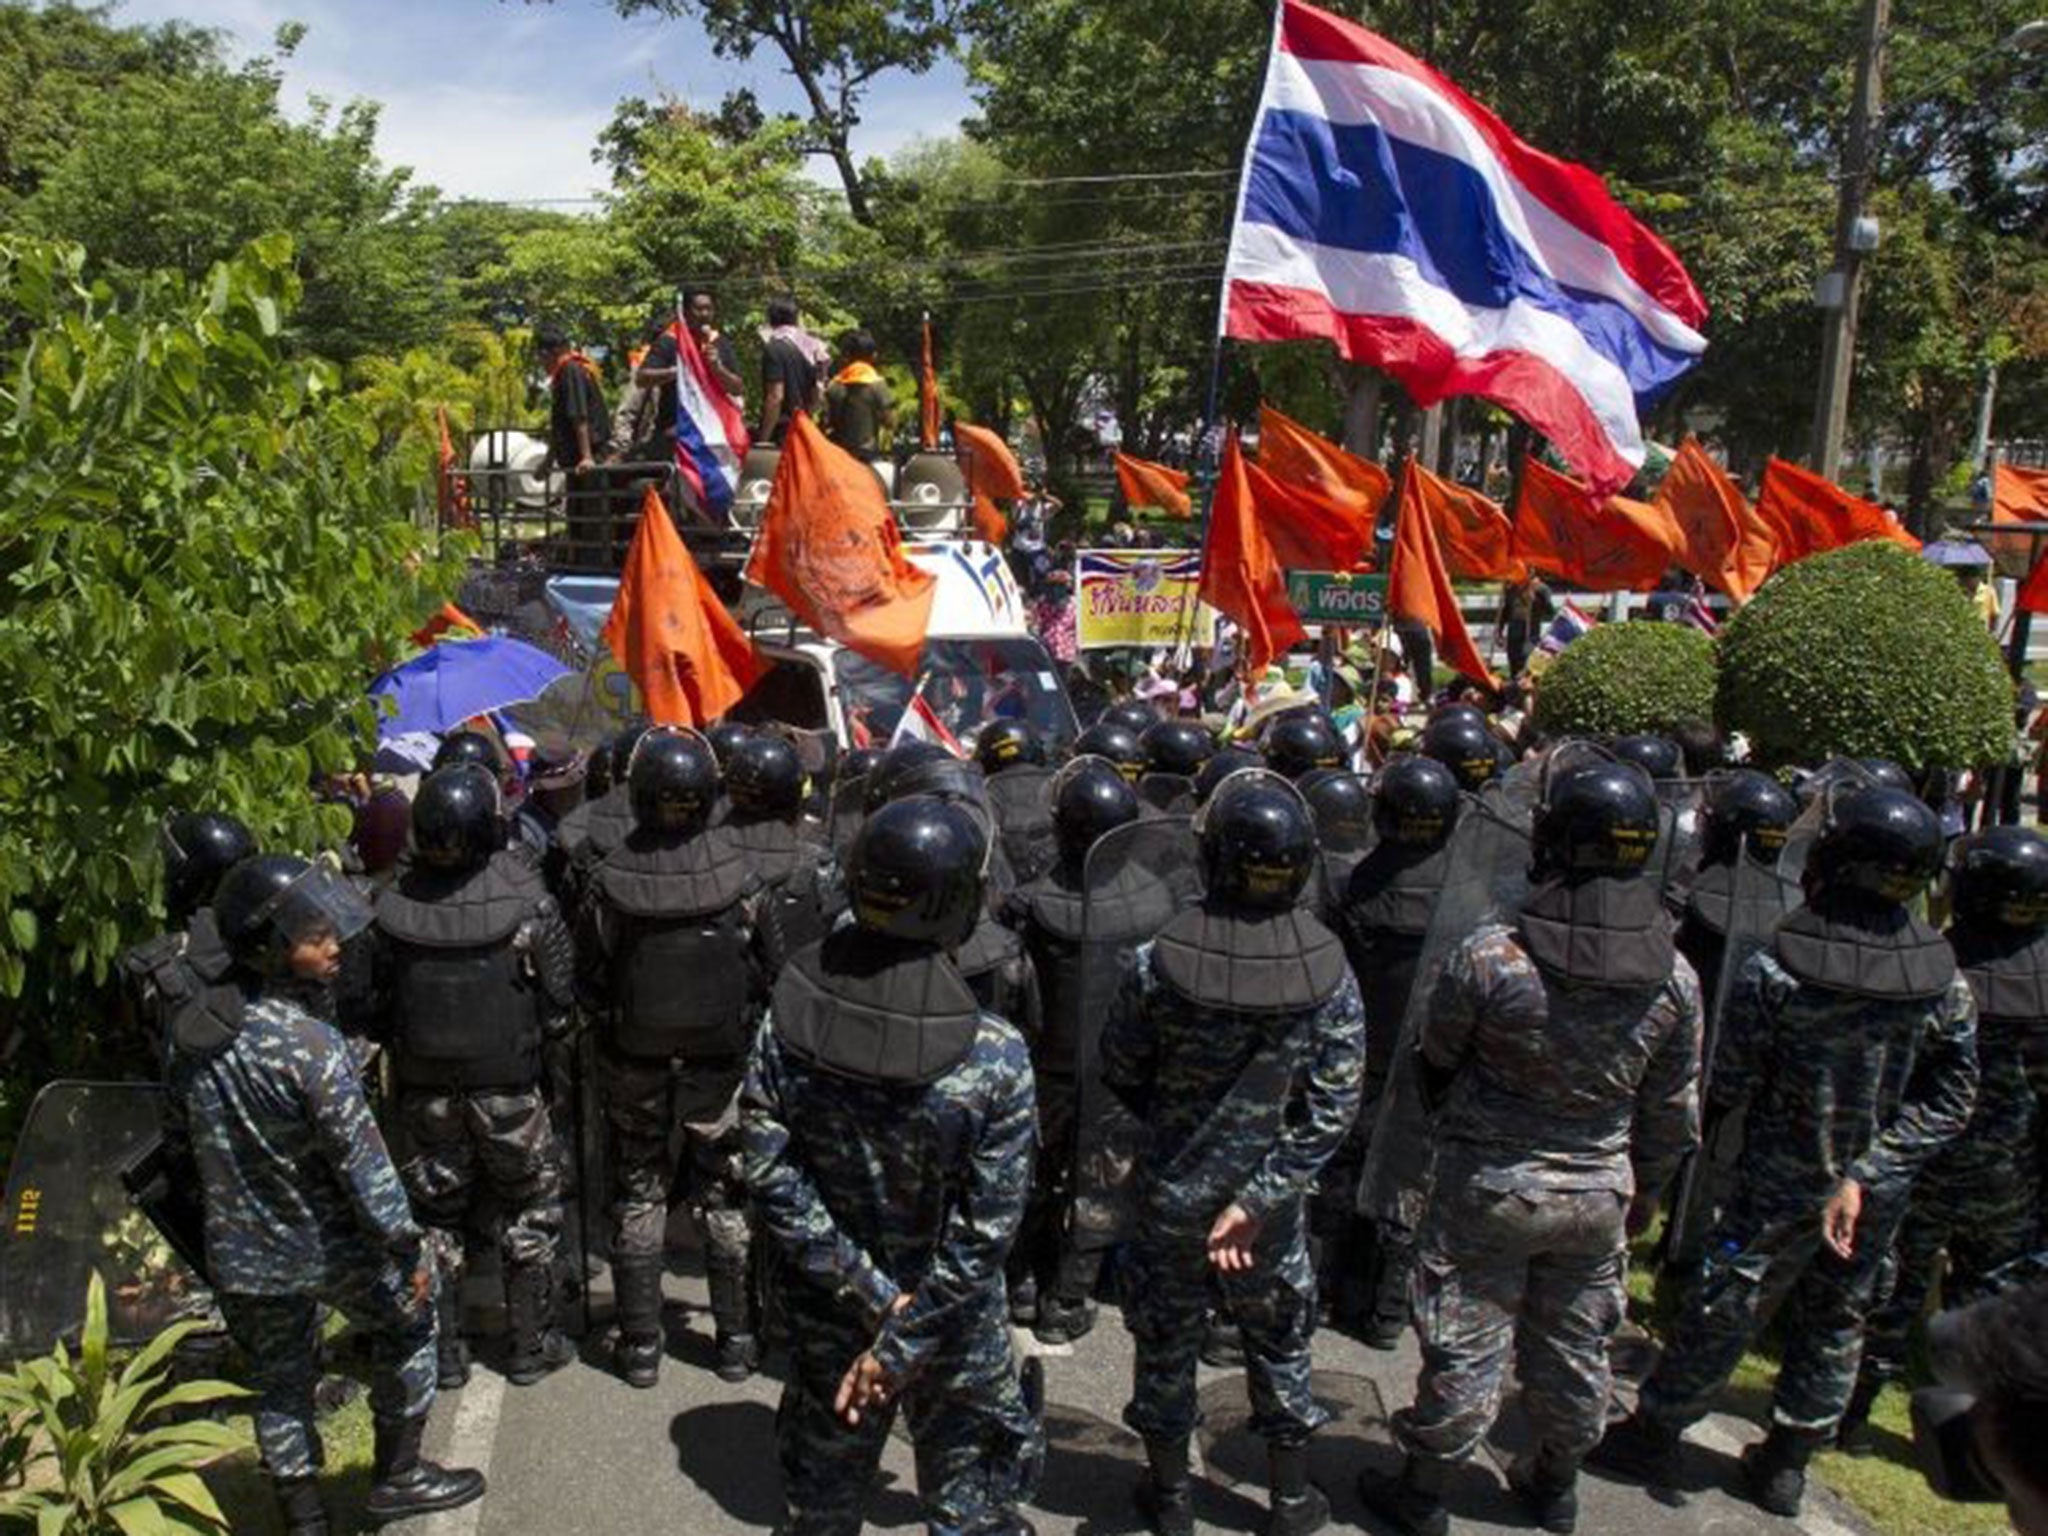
(460, 679)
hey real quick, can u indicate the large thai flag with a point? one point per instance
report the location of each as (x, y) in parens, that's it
(1385, 210)
(711, 434)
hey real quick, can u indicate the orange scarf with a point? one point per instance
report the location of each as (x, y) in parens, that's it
(857, 373)
(572, 357)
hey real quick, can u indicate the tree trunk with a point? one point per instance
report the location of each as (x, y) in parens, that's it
(1362, 412)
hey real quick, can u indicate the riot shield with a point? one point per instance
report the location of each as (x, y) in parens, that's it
(69, 1212)
(1343, 836)
(1170, 794)
(1134, 880)
(1818, 792)
(847, 811)
(1020, 800)
(1679, 803)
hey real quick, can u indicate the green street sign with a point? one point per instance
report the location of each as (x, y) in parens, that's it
(1329, 597)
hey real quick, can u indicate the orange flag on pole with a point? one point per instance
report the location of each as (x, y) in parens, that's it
(985, 459)
(2019, 495)
(829, 547)
(928, 395)
(688, 655)
(2032, 596)
(1605, 545)
(1812, 515)
(1146, 484)
(1289, 451)
(1419, 588)
(1241, 576)
(1307, 532)
(451, 494)
(1474, 533)
(1728, 543)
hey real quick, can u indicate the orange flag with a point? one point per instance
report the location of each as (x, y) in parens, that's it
(830, 548)
(1812, 515)
(689, 656)
(1728, 543)
(1146, 484)
(1419, 588)
(990, 526)
(1474, 533)
(1610, 545)
(451, 493)
(1240, 574)
(985, 459)
(1307, 532)
(450, 620)
(928, 395)
(2032, 596)
(1289, 451)
(2019, 495)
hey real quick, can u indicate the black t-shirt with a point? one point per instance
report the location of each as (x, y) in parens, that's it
(783, 362)
(576, 397)
(662, 354)
(854, 415)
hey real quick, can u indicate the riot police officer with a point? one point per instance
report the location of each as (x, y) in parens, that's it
(1299, 744)
(888, 1126)
(1175, 751)
(303, 1206)
(1006, 744)
(1851, 1046)
(765, 789)
(1562, 1055)
(187, 966)
(1658, 756)
(672, 962)
(1240, 1044)
(1463, 744)
(1116, 742)
(1129, 715)
(474, 972)
(1013, 760)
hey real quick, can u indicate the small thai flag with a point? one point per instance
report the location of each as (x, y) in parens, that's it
(921, 722)
(1564, 629)
(711, 435)
(1699, 615)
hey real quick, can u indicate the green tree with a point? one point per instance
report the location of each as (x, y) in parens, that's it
(207, 560)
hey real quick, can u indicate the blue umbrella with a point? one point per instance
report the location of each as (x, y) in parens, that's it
(458, 679)
(1965, 553)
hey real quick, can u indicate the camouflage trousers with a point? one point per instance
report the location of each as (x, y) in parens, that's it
(1758, 1257)
(1533, 1275)
(1273, 1305)
(672, 1122)
(1979, 1222)
(280, 1336)
(979, 1446)
(499, 1147)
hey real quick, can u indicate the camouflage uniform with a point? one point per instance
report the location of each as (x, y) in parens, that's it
(1566, 1098)
(874, 1190)
(303, 1207)
(1242, 1108)
(1837, 1086)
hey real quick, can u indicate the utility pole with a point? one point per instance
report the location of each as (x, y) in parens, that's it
(1855, 238)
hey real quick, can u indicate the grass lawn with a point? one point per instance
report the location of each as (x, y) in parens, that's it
(345, 1435)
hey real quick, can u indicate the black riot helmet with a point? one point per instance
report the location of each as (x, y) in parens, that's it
(1008, 744)
(1342, 806)
(724, 737)
(1458, 709)
(857, 764)
(597, 773)
(1117, 742)
(1258, 843)
(200, 847)
(673, 781)
(1178, 747)
(1131, 715)
(1299, 744)
(457, 822)
(1463, 745)
(1415, 804)
(2001, 878)
(1227, 761)
(1658, 756)
(916, 871)
(1888, 774)
(470, 747)
(623, 746)
(267, 904)
(1749, 804)
(1600, 819)
(1882, 844)
(764, 777)
(920, 768)
(1089, 798)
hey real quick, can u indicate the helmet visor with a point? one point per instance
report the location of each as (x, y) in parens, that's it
(318, 903)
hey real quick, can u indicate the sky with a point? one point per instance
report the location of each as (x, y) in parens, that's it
(504, 99)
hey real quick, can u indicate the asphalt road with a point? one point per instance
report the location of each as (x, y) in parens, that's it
(581, 1454)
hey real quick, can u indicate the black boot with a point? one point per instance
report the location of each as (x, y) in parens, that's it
(1166, 1493)
(1412, 1499)
(1393, 1265)
(1063, 1319)
(1548, 1487)
(299, 1499)
(732, 1314)
(535, 1347)
(1851, 1435)
(1641, 1448)
(636, 1283)
(1298, 1506)
(1774, 1471)
(407, 1484)
(1024, 1299)
(451, 1350)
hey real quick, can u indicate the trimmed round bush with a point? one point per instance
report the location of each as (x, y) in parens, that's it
(1623, 678)
(1867, 651)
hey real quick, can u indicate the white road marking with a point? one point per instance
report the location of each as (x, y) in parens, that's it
(471, 1441)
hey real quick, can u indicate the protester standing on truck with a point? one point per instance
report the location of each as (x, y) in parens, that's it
(793, 364)
(658, 368)
(857, 402)
(578, 423)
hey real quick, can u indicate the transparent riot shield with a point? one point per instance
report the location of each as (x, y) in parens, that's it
(1170, 794)
(1679, 803)
(1819, 792)
(1135, 879)
(1020, 800)
(848, 810)
(1344, 833)
(70, 1212)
